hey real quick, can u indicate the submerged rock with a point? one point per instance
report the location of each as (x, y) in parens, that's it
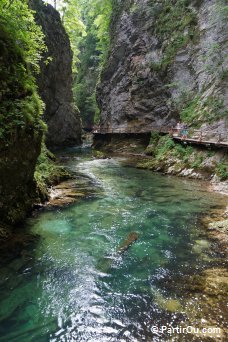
(131, 238)
(106, 263)
(200, 246)
(216, 225)
(169, 304)
(215, 282)
(17, 245)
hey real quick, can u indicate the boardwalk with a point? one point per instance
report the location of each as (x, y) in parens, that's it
(194, 136)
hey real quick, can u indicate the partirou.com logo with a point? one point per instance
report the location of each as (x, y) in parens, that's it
(173, 330)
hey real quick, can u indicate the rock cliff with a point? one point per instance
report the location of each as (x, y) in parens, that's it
(17, 185)
(167, 61)
(55, 80)
(21, 128)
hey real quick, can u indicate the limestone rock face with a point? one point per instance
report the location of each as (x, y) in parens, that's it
(165, 58)
(17, 167)
(21, 132)
(55, 80)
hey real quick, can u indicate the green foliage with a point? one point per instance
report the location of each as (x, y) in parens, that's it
(21, 46)
(222, 171)
(155, 66)
(155, 136)
(222, 9)
(71, 11)
(175, 25)
(210, 154)
(183, 152)
(134, 8)
(82, 17)
(165, 144)
(197, 111)
(189, 114)
(100, 12)
(224, 75)
(18, 23)
(87, 23)
(164, 147)
(86, 79)
(151, 148)
(48, 172)
(197, 161)
(165, 152)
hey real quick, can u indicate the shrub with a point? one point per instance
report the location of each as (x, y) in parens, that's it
(165, 145)
(222, 171)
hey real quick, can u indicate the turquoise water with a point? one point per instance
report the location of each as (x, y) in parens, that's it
(74, 286)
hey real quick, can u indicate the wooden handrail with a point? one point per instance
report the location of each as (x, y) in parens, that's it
(161, 129)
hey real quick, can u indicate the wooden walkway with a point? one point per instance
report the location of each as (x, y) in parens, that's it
(194, 136)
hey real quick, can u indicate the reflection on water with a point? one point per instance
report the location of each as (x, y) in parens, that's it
(76, 287)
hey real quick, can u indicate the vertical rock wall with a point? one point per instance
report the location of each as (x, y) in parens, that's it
(17, 166)
(21, 132)
(167, 59)
(55, 80)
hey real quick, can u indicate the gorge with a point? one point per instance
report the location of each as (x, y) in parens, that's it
(99, 240)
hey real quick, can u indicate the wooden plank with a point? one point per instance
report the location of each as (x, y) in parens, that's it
(197, 140)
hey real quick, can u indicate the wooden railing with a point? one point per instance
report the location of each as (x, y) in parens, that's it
(123, 129)
(193, 135)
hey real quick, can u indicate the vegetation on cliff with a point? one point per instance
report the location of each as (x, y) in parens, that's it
(177, 27)
(181, 159)
(94, 49)
(21, 44)
(87, 24)
(21, 109)
(48, 172)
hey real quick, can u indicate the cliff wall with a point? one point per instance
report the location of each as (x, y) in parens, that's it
(21, 108)
(21, 127)
(55, 80)
(167, 62)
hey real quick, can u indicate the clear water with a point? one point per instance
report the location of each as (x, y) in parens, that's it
(74, 286)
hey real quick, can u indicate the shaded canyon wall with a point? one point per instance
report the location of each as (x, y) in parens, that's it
(167, 60)
(55, 80)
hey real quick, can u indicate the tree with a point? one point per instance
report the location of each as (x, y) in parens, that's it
(87, 23)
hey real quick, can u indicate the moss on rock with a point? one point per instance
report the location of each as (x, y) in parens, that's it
(48, 172)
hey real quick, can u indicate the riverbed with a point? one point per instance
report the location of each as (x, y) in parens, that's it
(74, 284)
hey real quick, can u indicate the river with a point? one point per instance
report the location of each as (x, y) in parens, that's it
(74, 285)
